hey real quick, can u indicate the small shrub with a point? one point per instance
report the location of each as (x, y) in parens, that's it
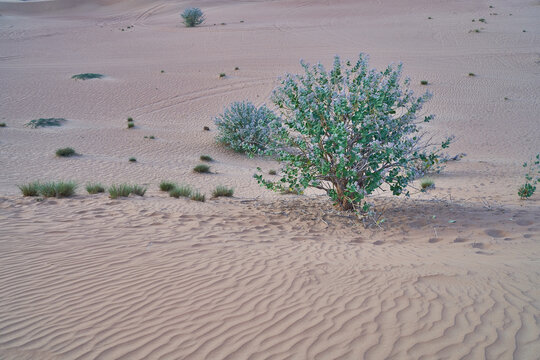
(95, 188)
(152, 137)
(65, 152)
(138, 190)
(3, 124)
(429, 18)
(130, 119)
(197, 196)
(222, 191)
(472, 74)
(482, 20)
(474, 31)
(30, 189)
(236, 68)
(193, 17)
(132, 159)
(181, 191)
(57, 189)
(130, 125)
(202, 168)
(526, 190)
(248, 129)
(87, 76)
(532, 177)
(222, 75)
(206, 158)
(272, 172)
(166, 186)
(120, 190)
(163, 71)
(206, 128)
(424, 82)
(427, 183)
(42, 122)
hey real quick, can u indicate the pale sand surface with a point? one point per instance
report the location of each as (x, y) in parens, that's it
(454, 274)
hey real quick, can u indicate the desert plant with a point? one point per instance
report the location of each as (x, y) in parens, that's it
(130, 119)
(248, 129)
(138, 190)
(202, 168)
(532, 177)
(3, 124)
(197, 196)
(181, 191)
(151, 137)
(42, 122)
(130, 125)
(87, 76)
(206, 158)
(206, 128)
(65, 152)
(193, 17)
(222, 75)
(30, 189)
(272, 172)
(236, 68)
(57, 189)
(132, 159)
(119, 190)
(472, 74)
(423, 82)
(222, 191)
(351, 131)
(95, 188)
(427, 183)
(166, 185)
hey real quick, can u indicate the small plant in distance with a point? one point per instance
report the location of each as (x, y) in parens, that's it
(424, 82)
(427, 183)
(166, 185)
(65, 152)
(163, 71)
(181, 191)
(138, 190)
(152, 137)
(222, 75)
(222, 191)
(95, 188)
(132, 159)
(197, 196)
(43, 122)
(245, 128)
(206, 158)
(193, 17)
(272, 172)
(206, 128)
(59, 189)
(119, 190)
(130, 125)
(30, 189)
(350, 131)
(532, 177)
(472, 74)
(236, 68)
(3, 124)
(87, 76)
(202, 168)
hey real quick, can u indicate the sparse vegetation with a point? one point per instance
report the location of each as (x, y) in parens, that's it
(138, 190)
(43, 122)
(272, 172)
(206, 128)
(119, 190)
(472, 74)
(532, 177)
(166, 185)
(423, 82)
(427, 183)
(482, 20)
(132, 159)
(59, 189)
(181, 191)
(202, 168)
(193, 17)
(206, 158)
(237, 68)
(474, 31)
(3, 124)
(222, 191)
(87, 76)
(222, 75)
(152, 137)
(65, 152)
(95, 188)
(163, 71)
(30, 189)
(197, 196)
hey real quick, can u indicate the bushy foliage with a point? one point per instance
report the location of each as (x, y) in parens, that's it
(181, 191)
(95, 188)
(248, 129)
(222, 191)
(30, 189)
(193, 17)
(87, 76)
(57, 189)
(532, 177)
(42, 122)
(202, 168)
(65, 152)
(350, 131)
(166, 186)
(206, 158)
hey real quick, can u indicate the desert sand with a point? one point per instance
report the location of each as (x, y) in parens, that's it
(453, 273)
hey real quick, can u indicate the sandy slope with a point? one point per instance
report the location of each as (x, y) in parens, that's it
(453, 274)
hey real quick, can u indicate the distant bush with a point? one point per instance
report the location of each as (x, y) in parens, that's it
(3, 124)
(30, 189)
(181, 191)
(193, 17)
(42, 122)
(248, 129)
(65, 152)
(87, 76)
(166, 186)
(272, 172)
(95, 188)
(130, 125)
(532, 177)
(222, 75)
(197, 196)
(57, 189)
(138, 190)
(423, 82)
(202, 168)
(120, 190)
(222, 191)
(206, 158)
(132, 159)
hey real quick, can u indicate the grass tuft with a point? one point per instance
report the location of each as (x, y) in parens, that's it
(138, 190)
(272, 172)
(197, 196)
(87, 76)
(65, 152)
(132, 159)
(42, 122)
(130, 125)
(472, 74)
(59, 189)
(424, 82)
(30, 189)
(181, 191)
(222, 75)
(222, 191)
(427, 183)
(206, 158)
(166, 186)
(3, 124)
(202, 168)
(96, 188)
(120, 190)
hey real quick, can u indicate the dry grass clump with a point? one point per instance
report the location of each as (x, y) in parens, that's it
(138, 190)
(181, 191)
(202, 168)
(167, 185)
(427, 183)
(206, 158)
(65, 152)
(43, 122)
(30, 189)
(95, 188)
(58, 189)
(3, 124)
(222, 191)
(119, 190)
(197, 196)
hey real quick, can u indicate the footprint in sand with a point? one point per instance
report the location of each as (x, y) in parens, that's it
(378, 242)
(494, 233)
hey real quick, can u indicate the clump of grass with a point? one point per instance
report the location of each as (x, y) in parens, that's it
(427, 183)
(95, 188)
(272, 172)
(138, 190)
(202, 168)
(423, 82)
(130, 125)
(429, 18)
(193, 17)
(222, 75)
(163, 71)
(472, 74)
(130, 119)
(151, 137)
(237, 68)
(167, 186)
(3, 124)
(222, 191)
(42, 122)
(206, 128)
(474, 31)
(59, 189)
(132, 159)
(119, 190)
(30, 189)
(87, 76)
(181, 191)
(197, 196)
(65, 152)
(482, 20)
(206, 158)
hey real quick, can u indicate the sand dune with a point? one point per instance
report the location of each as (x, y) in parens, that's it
(452, 273)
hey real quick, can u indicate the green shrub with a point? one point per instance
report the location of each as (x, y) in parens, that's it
(57, 189)
(532, 177)
(472, 74)
(95, 188)
(3, 124)
(138, 190)
(206, 158)
(423, 82)
(65, 152)
(151, 137)
(192, 17)
(87, 76)
(427, 183)
(130, 119)
(236, 68)
(206, 128)
(30, 189)
(130, 125)
(181, 191)
(351, 130)
(132, 159)
(272, 172)
(197, 196)
(42, 122)
(222, 191)
(222, 75)
(248, 129)
(120, 190)
(166, 185)
(202, 168)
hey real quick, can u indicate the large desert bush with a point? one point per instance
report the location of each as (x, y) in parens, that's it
(350, 131)
(193, 17)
